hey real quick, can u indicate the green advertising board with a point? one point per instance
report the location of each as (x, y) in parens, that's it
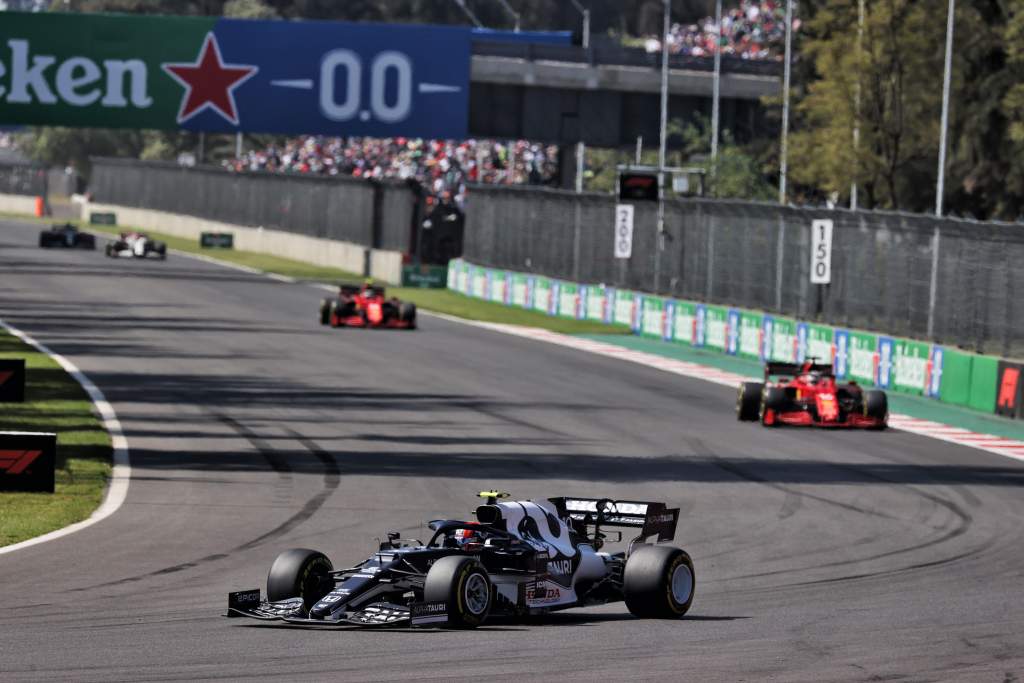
(685, 322)
(783, 340)
(984, 377)
(497, 286)
(956, 376)
(567, 299)
(519, 290)
(424, 276)
(541, 294)
(910, 366)
(595, 302)
(750, 334)
(716, 321)
(650, 323)
(478, 283)
(623, 307)
(819, 343)
(861, 357)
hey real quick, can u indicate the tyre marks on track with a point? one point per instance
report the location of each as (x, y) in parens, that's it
(280, 464)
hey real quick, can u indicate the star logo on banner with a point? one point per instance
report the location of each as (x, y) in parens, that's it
(209, 83)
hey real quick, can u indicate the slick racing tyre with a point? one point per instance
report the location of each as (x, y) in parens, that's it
(658, 582)
(876, 405)
(110, 249)
(407, 313)
(300, 573)
(748, 403)
(325, 312)
(464, 585)
(773, 399)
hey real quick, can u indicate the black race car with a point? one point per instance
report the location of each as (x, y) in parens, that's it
(516, 558)
(136, 245)
(66, 236)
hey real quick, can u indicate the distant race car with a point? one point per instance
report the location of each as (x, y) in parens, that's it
(366, 306)
(807, 394)
(136, 245)
(67, 236)
(516, 559)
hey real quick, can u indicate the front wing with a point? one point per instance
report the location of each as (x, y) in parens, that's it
(379, 614)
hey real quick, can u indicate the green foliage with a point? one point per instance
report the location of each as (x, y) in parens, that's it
(249, 9)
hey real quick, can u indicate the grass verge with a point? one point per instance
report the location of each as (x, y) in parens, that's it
(54, 402)
(438, 300)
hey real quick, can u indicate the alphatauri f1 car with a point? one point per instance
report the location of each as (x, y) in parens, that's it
(137, 245)
(807, 394)
(516, 559)
(366, 306)
(67, 236)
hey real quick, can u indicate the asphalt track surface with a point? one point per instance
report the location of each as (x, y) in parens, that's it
(820, 556)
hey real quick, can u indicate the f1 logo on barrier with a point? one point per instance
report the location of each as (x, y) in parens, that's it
(1009, 390)
(16, 462)
(27, 461)
(12, 380)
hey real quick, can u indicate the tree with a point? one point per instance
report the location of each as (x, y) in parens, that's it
(898, 74)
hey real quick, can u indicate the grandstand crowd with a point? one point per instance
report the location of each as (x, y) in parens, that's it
(443, 167)
(754, 30)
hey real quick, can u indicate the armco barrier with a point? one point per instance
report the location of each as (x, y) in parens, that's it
(891, 363)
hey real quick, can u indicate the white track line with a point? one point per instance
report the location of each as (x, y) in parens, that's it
(117, 491)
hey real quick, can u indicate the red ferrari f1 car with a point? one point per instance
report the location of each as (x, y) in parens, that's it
(807, 394)
(366, 306)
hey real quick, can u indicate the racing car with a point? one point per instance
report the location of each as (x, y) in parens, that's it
(66, 235)
(515, 559)
(366, 306)
(136, 245)
(807, 394)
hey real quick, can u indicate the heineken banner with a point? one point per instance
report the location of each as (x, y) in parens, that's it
(227, 75)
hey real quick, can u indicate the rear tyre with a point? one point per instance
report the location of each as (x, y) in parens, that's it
(407, 313)
(773, 400)
(44, 240)
(876, 405)
(109, 249)
(464, 586)
(658, 582)
(748, 403)
(300, 573)
(325, 312)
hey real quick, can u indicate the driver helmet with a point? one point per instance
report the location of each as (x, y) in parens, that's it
(468, 538)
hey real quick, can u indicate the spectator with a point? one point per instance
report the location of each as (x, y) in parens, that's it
(754, 30)
(443, 167)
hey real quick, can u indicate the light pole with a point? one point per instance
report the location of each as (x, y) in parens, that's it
(715, 93)
(660, 235)
(947, 77)
(585, 41)
(856, 121)
(515, 15)
(785, 102)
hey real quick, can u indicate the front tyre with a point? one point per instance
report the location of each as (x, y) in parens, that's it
(658, 582)
(300, 573)
(464, 585)
(748, 402)
(876, 405)
(325, 312)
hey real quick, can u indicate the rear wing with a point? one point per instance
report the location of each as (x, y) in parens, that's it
(773, 368)
(651, 518)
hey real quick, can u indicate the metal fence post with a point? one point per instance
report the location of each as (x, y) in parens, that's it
(576, 238)
(779, 252)
(933, 285)
(711, 260)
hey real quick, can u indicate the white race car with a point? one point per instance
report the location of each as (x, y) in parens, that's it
(516, 558)
(136, 245)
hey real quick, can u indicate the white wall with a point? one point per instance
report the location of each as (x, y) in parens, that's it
(384, 265)
(17, 203)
